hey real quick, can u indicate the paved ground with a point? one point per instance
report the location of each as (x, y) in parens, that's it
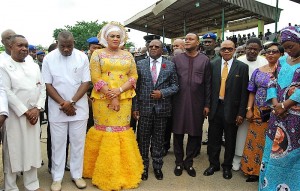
(169, 183)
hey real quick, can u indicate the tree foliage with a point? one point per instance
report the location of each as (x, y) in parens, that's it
(81, 31)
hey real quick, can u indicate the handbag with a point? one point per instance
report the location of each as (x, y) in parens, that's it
(265, 114)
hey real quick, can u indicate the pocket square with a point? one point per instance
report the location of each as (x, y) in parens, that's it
(237, 76)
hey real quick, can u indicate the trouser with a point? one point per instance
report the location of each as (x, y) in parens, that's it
(152, 131)
(59, 133)
(30, 178)
(193, 145)
(215, 132)
(49, 148)
(168, 134)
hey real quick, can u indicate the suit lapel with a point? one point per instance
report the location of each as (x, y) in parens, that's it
(232, 68)
(148, 70)
(161, 73)
(218, 73)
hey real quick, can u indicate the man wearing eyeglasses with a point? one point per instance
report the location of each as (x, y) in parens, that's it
(152, 106)
(253, 60)
(228, 107)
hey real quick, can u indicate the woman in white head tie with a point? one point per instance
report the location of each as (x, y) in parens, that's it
(112, 159)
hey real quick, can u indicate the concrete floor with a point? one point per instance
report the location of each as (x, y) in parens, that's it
(170, 182)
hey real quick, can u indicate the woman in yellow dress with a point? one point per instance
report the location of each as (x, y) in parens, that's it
(112, 159)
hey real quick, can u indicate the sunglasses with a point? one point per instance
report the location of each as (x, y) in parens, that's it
(268, 51)
(152, 47)
(228, 49)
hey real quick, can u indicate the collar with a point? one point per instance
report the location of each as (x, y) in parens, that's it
(229, 61)
(159, 60)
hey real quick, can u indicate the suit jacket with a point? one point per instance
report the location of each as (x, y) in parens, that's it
(236, 93)
(167, 83)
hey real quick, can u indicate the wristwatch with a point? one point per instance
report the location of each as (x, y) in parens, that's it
(72, 102)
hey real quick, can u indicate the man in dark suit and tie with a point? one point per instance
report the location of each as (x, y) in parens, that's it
(228, 107)
(156, 84)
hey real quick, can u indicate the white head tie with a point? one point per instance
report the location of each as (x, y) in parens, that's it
(110, 27)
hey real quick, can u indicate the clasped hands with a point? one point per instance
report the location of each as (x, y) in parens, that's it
(113, 95)
(278, 110)
(68, 108)
(32, 115)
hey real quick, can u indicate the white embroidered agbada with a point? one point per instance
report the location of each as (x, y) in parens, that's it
(25, 90)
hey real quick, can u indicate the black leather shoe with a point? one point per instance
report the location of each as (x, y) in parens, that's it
(158, 174)
(210, 171)
(252, 178)
(145, 175)
(178, 170)
(191, 171)
(227, 174)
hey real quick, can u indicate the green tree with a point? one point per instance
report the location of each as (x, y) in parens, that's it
(82, 30)
(2, 48)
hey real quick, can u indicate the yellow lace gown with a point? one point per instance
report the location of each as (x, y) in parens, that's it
(111, 158)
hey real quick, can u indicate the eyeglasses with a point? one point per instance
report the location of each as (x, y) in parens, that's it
(226, 48)
(268, 51)
(153, 46)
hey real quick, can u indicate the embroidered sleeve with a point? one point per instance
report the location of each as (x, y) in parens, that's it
(98, 85)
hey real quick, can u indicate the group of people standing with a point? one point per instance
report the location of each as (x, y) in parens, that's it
(251, 102)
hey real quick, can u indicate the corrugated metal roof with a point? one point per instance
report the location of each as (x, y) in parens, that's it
(174, 14)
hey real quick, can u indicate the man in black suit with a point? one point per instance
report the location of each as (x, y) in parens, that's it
(228, 107)
(152, 106)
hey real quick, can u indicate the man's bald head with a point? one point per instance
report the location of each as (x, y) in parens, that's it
(5, 39)
(178, 44)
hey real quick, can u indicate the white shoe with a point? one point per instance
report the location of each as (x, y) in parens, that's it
(56, 186)
(236, 166)
(80, 183)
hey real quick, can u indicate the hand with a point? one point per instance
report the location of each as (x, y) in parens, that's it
(68, 108)
(2, 119)
(136, 115)
(278, 110)
(239, 120)
(115, 104)
(249, 115)
(112, 93)
(205, 112)
(156, 94)
(32, 115)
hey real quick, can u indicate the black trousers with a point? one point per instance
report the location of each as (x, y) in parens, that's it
(151, 132)
(193, 145)
(168, 134)
(215, 132)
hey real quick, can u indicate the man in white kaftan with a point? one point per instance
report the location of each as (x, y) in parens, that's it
(253, 60)
(26, 96)
(67, 76)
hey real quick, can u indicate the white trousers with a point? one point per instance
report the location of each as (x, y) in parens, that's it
(59, 133)
(241, 138)
(30, 178)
